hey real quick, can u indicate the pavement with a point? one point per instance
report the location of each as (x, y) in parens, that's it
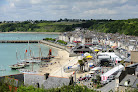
(108, 87)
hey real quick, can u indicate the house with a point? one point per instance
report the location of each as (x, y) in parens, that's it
(38, 81)
(81, 49)
(45, 81)
(19, 78)
(130, 81)
(126, 79)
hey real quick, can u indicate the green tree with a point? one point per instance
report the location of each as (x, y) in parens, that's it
(81, 63)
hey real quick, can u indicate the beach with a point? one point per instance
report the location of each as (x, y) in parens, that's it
(58, 63)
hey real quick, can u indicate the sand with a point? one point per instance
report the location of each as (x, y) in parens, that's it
(62, 60)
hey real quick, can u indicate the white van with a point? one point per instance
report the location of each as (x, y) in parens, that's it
(95, 70)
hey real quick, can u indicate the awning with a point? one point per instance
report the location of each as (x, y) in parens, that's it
(88, 44)
(89, 56)
(96, 50)
(77, 41)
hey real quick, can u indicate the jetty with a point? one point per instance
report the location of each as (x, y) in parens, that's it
(19, 41)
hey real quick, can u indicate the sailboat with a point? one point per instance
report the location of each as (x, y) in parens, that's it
(18, 65)
(47, 59)
(27, 70)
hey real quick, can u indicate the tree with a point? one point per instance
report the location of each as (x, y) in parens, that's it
(81, 64)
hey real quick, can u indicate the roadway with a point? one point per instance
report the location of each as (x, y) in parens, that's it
(108, 87)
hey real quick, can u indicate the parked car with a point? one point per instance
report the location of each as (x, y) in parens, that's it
(83, 78)
(89, 75)
(80, 79)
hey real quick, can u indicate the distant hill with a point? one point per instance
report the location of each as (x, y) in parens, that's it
(128, 27)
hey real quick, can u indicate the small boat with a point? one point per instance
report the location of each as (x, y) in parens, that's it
(17, 66)
(2, 69)
(27, 71)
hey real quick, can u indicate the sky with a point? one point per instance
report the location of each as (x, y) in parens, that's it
(20, 10)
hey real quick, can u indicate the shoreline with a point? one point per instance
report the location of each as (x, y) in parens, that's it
(35, 32)
(62, 60)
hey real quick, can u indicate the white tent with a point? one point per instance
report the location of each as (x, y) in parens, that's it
(110, 72)
(111, 54)
(86, 54)
(94, 69)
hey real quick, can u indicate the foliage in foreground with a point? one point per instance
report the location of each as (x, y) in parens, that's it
(70, 88)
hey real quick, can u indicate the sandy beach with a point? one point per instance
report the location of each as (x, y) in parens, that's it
(58, 63)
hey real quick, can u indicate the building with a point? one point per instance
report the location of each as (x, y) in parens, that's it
(38, 81)
(45, 81)
(81, 49)
(127, 79)
(129, 82)
(134, 56)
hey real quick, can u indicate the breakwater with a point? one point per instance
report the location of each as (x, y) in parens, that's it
(19, 41)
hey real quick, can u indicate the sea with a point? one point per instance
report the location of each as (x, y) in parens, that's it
(11, 53)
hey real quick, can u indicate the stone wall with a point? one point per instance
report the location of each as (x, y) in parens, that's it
(55, 45)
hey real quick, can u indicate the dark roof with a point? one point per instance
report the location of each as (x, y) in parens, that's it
(50, 82)
(54, 82)
(19, 79)
(136, 69)
(135, 84)
(133, 65)
(132, 79)
(82, 48)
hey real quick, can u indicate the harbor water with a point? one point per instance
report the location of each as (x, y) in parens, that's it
(8, 51)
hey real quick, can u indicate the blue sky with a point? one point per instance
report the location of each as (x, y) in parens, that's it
(72, 9)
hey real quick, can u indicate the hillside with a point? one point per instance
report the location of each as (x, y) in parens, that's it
(41, 26)
(128, 27)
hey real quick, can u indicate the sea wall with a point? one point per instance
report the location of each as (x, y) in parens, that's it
(55, 45)
(71, 54)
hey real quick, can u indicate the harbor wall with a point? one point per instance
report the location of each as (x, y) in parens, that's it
(55, 45)
(60, 47)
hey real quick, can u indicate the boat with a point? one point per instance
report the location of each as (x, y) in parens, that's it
(2, 69)
(49, 56)
(27, 71)
(17, 66)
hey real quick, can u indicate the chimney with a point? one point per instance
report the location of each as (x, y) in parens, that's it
(46, 76)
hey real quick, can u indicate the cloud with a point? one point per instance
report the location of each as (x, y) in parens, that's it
(100, 11)
(56, 9)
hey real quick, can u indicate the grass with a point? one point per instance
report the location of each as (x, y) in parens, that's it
(57, 23)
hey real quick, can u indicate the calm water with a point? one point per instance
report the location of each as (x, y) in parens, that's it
(8, 50)
(25, 36)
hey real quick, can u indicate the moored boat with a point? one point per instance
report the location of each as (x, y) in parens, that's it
(27, 71)
(17, 66)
